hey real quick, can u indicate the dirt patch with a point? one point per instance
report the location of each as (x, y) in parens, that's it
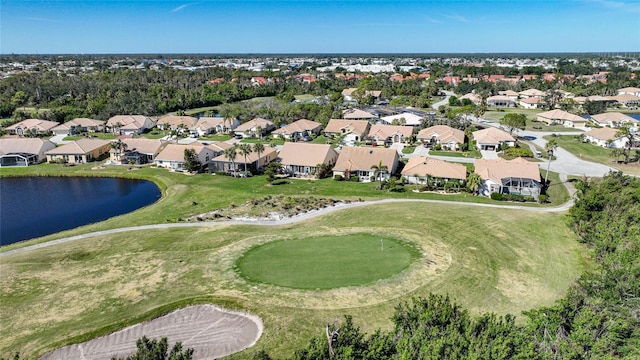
(211, 331)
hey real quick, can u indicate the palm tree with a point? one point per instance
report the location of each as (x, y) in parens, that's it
(120, 147)
(245, 150)
(550, 147)
(473, 183)
(259, 149)
(379, 170)
(625, 131)
(230, 154)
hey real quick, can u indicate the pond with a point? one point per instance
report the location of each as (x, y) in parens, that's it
(31, 207)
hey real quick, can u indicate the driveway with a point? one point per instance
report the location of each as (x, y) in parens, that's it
(57, 139)
(489, 155)
(445, 101)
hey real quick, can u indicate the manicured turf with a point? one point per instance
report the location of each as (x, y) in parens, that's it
(326, 262)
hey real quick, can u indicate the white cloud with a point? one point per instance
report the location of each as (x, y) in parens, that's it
(457, 17)
(181, 7)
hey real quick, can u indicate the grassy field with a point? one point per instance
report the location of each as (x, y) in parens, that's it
(326, 262)
(531, 114)
(502, 261)
(465, 154)
(96, 135)
(593, 153)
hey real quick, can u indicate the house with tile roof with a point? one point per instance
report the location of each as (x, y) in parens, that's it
(212, 125)
(351, 131)
(626, 100)
(531, 93)
(418, 168)
(517, 176)
(389, 134)
(358, 161)
(348, 96)
(32, 126)
(299, 129)
(357, 114)
(256, 127)
(629, 91)
(137, 151)
(222, 163)
(130, 124)
(23, 151)
(532, 103)
(492, 138)
(406, 118)
(443, 135)
(174, 122)
(500, 101)
(302, 159)
(80, 151)
(561, 117)
(614, 120)
(172, 155)
(78, 125)
(605, 137)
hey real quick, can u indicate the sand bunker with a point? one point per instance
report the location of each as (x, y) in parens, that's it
(211, 331)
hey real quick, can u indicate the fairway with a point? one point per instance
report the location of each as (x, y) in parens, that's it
(326, 262)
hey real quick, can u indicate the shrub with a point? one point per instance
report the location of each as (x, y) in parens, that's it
(354, 179)
(518, 152)
(496, 196)
(338, 177)
(543, 198)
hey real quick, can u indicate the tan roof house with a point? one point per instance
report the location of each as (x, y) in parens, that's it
(406, 118)
(626, 100)
(172, 156)
(130, 124)
(78, 125)
(347, 94)
(614, 119)
(23, 151)
(79, 152)
(351, 131)
(510, 94)
(532, 93)
(212, 125)
(491, 138)
(605, 137)
(561, 117)
(472, 97)
(500, 101)
(302, 159)
(137, 151)
(174, 122)
(299, 129)
(629, 91)
(357, 114)
(257, 127)
(358, 161)
(517, 176)
(253, 161)
(418, 168)
(32, 126)
(389, 134)
(446, 136)
(532, 103)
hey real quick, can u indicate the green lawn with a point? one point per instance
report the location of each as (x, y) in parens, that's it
(263, 141)
(96, 135)
(216, 137)
(496, 115)
(326, 262)
(465, 154)
(592, 153)
(409, 149)
(489, 260)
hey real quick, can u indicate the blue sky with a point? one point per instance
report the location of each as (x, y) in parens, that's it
(261, 26)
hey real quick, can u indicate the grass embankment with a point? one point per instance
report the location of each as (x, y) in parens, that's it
(498, 260)
(531, 114)
(593, 153)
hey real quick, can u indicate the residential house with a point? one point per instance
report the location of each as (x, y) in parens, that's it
(500, 101)
(510, 94)
(358, 161)
(78, 125)
(174, 122)
(517, 176)
(130, 124)
(406, 118)
(351, 131)
(389, 134)
(222, 163)
(79, 152)
(357, 114)
(172, 156)
(475, 99)
(561, 117)
(626, 100)
(443, 135)
(257, 127)
(629, 91)
(532, 93)
(299, 129)
(137, 151)
(532, 103)
(32, 127)
(348, 96)
(212, 125)
(302, 159)
(605, 137)
(23, 151)
(614, 120)
(492, 138)
(419, 168)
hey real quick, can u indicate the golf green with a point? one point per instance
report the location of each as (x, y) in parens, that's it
(326, 262)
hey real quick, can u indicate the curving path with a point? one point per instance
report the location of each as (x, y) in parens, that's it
(291, 220)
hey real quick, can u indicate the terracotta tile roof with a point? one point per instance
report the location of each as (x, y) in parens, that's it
(79, 147)
(175, 152)
(624, 98)
(136, 120)
(444, 133)
(305, 154)
(509, 93)
(251, 158)
(382, 132)
(425, 165)
(207, 122)
(41, 125)
(604, 133)
(499, 98)
(299, 126)
(176, 121)
(144, 146)
(613, 117)
(492, 135)
(251, 124)
(532, 92)
(558, 114)
(349, 126)
(24, 145)
(630, 89)
(357, 114)
(363, 158)
(498, 169)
